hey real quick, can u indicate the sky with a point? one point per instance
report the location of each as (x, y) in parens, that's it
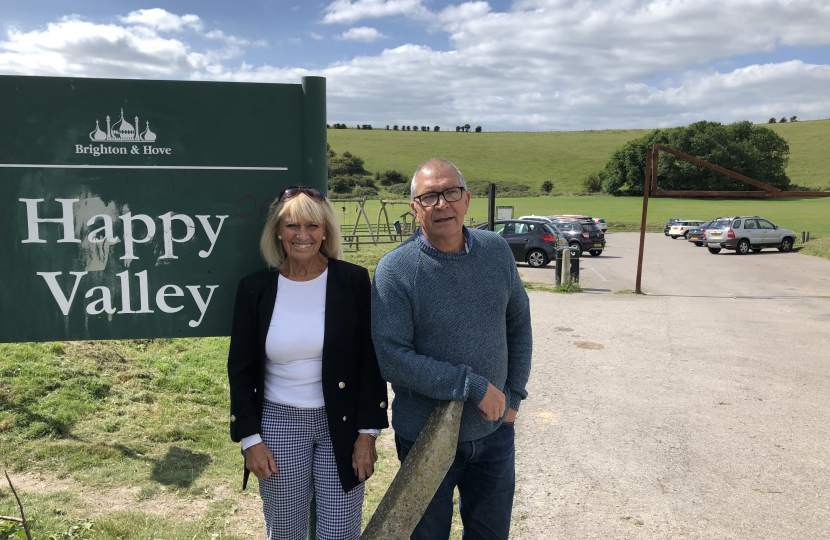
(524, 65)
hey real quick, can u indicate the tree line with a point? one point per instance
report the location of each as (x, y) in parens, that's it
(464, 128)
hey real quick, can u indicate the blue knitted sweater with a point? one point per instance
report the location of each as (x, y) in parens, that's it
(446, 324)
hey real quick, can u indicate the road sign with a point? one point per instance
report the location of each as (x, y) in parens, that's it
(131, 209)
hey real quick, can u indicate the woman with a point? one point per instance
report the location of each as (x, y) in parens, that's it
(307, 398)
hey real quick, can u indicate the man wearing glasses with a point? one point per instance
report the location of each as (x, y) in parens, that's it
(451, 320)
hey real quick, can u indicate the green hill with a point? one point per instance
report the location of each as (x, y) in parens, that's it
(564, 158)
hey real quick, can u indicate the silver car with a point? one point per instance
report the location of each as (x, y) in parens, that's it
(745, 233)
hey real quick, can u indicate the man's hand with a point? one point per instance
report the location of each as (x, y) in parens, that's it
(260, 461)
(364, 456)
(492, 406)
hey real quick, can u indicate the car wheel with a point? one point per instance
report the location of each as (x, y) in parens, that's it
(756, 250)
(714, 251)
(686, 236)
(537, 258)
(576, 248)
(786, 245)
(595, 252)
(743, 247)
(673, 237)
(699, 244)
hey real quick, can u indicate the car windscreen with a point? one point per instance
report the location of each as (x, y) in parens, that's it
(550, 229)
(590, 227)
(720, 224)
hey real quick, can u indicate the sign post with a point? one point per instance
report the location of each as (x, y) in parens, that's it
(131, 209)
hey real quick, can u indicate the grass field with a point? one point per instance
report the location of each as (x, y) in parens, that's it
(796, 214)
(564, 158)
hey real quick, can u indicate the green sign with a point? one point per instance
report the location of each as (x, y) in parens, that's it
(131, 209)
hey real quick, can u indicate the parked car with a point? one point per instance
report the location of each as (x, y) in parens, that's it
(601, 224)
(682, 227)
(697, 235)
(670, 223)
(582, 235)
(745, 233)
(531, 242)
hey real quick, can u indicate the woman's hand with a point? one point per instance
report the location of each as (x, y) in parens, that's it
(364, 456)
(260, 461)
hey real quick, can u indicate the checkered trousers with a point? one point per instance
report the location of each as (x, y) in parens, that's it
(300, 442)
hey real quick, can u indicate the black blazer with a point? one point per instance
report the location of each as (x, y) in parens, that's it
(353, 390)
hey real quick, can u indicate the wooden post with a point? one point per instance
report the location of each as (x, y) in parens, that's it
(651, 170)
(566, 266)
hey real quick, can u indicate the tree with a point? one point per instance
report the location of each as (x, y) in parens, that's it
(783, 119)
(478, 129)
(466, 127)
(395, 127)
(329, 152)
(436, 128)
(387, 127)
(345, 165)
(547, 186)
(328, 126)
(415, 128)
(392, 177)
(771, 121)
(457, 128)
(754, 151)
(593, 183)
(793, 119)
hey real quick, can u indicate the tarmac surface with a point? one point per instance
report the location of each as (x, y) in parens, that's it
(700, 410)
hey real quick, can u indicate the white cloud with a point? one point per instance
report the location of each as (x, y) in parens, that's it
(316, 36)
(162, 20)
(544, 64)
(347, 12)
(361, 33)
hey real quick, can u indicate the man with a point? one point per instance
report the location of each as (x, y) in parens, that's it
(450, 320)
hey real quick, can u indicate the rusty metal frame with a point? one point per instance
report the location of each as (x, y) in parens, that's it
(650, 188)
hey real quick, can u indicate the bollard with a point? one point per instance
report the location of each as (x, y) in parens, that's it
(566, 267)
(420, 475)
(805, 237)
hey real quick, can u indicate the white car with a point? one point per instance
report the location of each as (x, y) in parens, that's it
(745, 233)
(683, 227)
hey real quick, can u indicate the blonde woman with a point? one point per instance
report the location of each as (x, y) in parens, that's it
(307, 398)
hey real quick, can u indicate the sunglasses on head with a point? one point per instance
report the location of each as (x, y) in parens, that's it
(293, 191)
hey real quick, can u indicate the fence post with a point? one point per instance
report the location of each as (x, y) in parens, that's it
(566, 266)
(420, 475)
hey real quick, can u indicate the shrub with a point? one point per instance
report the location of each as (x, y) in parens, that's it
(593, 183)
(400, 189)
(547, 186)
(392, 177)
(478, 129)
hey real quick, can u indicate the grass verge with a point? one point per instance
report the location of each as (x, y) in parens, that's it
(572, 287)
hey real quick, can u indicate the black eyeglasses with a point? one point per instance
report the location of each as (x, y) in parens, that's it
(293, 191)
(450, 195)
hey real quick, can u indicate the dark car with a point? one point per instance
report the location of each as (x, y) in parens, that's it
(697, 235)
(531, 242)
(582, 235)
(670, 223)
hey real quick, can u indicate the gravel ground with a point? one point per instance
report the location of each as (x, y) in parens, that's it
(699, 411)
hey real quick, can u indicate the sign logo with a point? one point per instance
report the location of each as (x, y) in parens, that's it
(122, 131)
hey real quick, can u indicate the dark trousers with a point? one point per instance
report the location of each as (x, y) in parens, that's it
(484, 471)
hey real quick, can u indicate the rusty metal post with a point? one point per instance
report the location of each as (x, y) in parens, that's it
(651, 169)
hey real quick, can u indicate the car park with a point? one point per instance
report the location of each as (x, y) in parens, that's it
(682, 227)
(698, 235)
(582, 235)
(532, 242)
(747, 233)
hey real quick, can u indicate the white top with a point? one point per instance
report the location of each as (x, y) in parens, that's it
(294, 346)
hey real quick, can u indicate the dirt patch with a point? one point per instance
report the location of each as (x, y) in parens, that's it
(589, 345)
(563, 329)
(246, 518)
